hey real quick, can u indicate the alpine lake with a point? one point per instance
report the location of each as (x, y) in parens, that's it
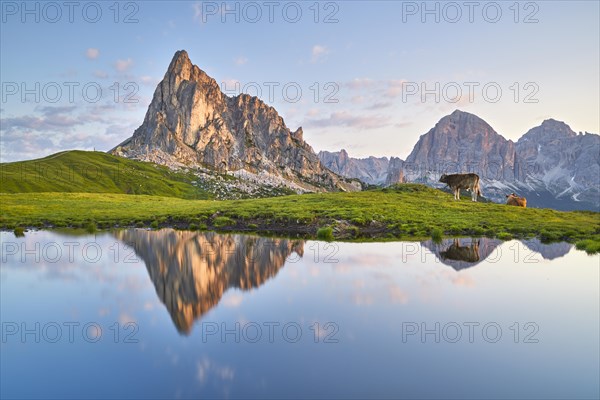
(141, 313)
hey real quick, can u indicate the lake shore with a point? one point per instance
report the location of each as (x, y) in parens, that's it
(404, 212)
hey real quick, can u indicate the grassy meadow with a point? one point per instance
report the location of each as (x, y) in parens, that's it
(95, 190)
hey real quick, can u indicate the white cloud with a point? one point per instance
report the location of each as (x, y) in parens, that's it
(379, 105)
(313, 112)
(123, 65)
(351, 120)
(92, 53)
(241, 60)
(234, 300)
(318, 52)
(125, 319)
(206, 369)
(148, 80)
(360, 83)
(403, 124)
(49, 129)
(463, 280)
(397, 295)
(394, 87)
(100, 74)
(202, 12)
(389, 88)
(197, 11)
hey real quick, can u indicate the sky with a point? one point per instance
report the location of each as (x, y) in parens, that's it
(366, 76)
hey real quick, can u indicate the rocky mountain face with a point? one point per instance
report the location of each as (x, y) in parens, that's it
(561, 162)
(191, 271)
(372, 170)
(395, 172)
(550, 165)
(461, 143)
(191, 123)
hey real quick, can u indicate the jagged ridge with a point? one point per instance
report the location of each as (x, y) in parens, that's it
(371, 170)
(190, 122)
(551, 164)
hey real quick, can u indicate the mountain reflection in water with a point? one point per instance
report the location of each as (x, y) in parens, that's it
(461, 253)
(192, 270)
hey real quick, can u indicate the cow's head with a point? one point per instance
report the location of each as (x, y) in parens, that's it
(511, 195)
(444, 178)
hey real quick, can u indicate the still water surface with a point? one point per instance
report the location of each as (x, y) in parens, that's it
(155, 314)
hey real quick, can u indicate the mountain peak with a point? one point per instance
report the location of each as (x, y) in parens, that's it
(549, 129)
(555, 124)
(462, 142)
(181, 68)
(191, 122)
(463, 124)
(459, 112)
(461, 117)
(180, 60)
(181, 54)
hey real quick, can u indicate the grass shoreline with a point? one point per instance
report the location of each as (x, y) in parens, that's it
(403, 212)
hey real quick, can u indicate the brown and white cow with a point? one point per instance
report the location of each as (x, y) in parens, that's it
(463, 181)
(514, 200)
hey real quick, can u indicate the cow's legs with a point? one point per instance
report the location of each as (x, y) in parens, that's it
(456, 194)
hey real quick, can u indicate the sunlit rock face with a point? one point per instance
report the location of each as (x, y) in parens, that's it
(192, 270)
(462, 142)
(191, 122)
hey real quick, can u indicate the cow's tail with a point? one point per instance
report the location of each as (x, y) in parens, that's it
(478, 188)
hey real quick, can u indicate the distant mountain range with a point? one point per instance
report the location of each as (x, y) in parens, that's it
(550, 164)
(371, 170)
(191, 123)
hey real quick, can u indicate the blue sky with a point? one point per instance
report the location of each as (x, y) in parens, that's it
(371, 61)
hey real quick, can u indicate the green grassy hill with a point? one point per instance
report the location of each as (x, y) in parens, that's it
(96, 172)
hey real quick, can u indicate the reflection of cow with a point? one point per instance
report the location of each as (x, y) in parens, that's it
(462, 181)
(514, 200)
(457, 252)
